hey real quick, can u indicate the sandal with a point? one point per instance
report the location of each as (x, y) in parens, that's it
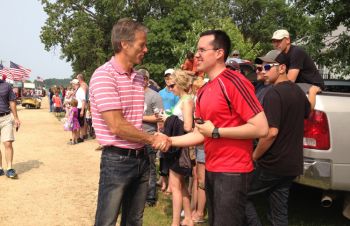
(197, 219)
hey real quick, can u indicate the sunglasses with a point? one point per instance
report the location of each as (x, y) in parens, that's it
(171, 86)
(267, 67)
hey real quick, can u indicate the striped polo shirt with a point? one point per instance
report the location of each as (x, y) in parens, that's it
(112, 89)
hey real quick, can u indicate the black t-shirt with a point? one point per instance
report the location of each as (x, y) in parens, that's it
(285, 106)
(299, 59)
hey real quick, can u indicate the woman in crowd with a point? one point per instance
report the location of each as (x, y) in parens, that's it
(180, 85)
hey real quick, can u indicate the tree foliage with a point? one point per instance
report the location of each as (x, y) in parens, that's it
(330, 48)
(82, 27)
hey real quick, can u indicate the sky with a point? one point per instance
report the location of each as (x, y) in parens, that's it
(20, 23)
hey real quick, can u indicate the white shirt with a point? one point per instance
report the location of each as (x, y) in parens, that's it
(80, 96)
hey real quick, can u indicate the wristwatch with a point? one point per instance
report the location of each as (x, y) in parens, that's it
(215, 134)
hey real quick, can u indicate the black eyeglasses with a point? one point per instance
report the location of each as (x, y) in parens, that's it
(201, 50)
(171, 86)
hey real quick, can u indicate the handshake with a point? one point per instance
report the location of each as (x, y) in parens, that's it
(161, 142)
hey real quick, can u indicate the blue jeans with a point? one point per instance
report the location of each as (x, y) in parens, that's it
(123, 183)
(152, 183)
(226, 197)
(276, 189)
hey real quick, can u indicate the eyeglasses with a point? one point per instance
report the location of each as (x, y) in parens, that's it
(267, 67)
(201, 50)
(171, 86)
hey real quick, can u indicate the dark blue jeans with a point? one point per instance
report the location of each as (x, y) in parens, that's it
(152, 183)
(123, 183)
(226, 197)
(276, 189)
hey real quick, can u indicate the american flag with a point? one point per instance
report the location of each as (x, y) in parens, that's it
(19, 73)
(5, 72)
(39, 79)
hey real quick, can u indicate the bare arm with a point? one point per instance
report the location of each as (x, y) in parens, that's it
(13, 109)
(189, 139)
(125, 130)
(150, 118)
(293, 74)
(255, 127)
(312, 96)
(187, 112)
(265, 143)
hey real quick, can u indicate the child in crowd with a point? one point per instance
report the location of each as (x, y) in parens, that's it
(88, 120)
(57, 103)
(73, 118)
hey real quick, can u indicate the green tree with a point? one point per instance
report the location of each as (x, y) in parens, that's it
(328, 47)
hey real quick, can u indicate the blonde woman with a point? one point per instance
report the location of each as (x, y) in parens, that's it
(180, 85)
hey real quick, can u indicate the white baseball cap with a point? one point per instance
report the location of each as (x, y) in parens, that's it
(280, 34)
(74, 81)
(169, 71)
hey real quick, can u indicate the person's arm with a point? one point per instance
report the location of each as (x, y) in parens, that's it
(13, 109)
(265, 143)
(293, 74)
(312, 96)
(150, 118)
(187, 112)
(119, 126)
(83, 104)
(255, 127)
(189, 139)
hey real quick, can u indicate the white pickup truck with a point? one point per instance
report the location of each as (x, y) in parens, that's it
(327, 145)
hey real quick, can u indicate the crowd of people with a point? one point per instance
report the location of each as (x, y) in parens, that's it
(219, 139)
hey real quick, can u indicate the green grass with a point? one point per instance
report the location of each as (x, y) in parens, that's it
(304, 210)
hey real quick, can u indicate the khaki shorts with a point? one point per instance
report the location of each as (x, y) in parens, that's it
(6, 128)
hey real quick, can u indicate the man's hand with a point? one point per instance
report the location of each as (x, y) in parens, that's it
(206, 129)
(17, 123)
(314, 90)
(161, 142)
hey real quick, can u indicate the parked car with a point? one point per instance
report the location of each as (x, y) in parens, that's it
(31, 102)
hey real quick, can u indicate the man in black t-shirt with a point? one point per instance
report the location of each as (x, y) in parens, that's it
(279, 156)
(302, 68)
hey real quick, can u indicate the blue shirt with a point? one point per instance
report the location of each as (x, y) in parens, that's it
(168, 98)
(6, 95)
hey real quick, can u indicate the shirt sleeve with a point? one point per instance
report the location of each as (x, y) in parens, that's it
(272, 108)
(104, 90)
(12, 95)
(243, 99)
(297, 59)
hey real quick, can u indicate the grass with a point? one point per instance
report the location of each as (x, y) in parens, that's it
(304, 210)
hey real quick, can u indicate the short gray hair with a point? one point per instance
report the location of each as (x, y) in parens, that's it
(124, 30)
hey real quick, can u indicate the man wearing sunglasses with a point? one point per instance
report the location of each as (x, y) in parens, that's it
(232, 117)
(302, 68)
(279, 155)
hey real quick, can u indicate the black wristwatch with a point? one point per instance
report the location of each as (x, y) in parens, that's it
(215, 134)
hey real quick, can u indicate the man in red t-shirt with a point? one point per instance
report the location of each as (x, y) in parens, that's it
(232, 117)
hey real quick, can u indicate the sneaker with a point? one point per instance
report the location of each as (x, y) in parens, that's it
(85, 137)
(80, 140)
(2, 172)
(11, 173)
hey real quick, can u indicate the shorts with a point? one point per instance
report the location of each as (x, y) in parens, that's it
(6, 128)
(200, 154)
(81, 119)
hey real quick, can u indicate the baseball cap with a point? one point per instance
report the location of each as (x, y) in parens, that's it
(274, 56)
(232, 64)
(168, 71)
(280, 34)
(75, 81)
(143, 72)
(235, 52)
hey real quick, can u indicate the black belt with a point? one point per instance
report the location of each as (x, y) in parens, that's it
(136, 153)
(4, 113)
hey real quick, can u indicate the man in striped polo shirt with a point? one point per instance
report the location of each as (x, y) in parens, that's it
(117, 104)
(231, 117)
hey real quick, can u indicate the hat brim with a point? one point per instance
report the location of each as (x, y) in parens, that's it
(267, 60)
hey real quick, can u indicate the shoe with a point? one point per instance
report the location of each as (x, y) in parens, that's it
(80, 140)
(11, 173)
(85, 137)
(2, 172)
(150, 204)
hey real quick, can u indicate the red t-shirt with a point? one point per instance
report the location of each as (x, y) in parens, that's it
(233, 109)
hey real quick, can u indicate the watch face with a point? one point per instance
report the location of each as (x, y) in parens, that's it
(215, 135)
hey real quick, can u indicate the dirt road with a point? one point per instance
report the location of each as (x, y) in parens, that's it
(57, 183)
